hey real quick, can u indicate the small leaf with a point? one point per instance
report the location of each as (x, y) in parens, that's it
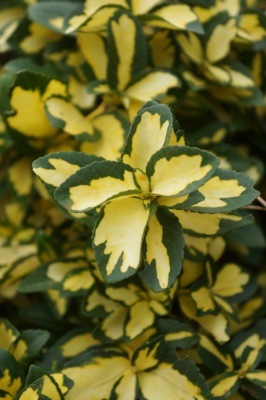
(163, 249)
(118, 236)
(149, 132)
(126, 48)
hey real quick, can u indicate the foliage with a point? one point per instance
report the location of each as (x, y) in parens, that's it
(131, 264)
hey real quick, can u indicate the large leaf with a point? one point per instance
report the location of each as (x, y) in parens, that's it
(225, 191)
(179, 170)
(95, 184)
(55, 168)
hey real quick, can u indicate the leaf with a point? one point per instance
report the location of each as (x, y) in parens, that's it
(215, 356)
(192, 47)
(126, 49)
(139, 7)
(91, 374)
(174, 16)
(11, 374)
(55, 168)
(209, 224)
(232, 282)
(15, 170)
(163, 251)
(203, 301)
(76, 342)
(64, 115)
(51, 15)
(177, 334)
(52, 275)
(150, 131)
(118, 251)
(8, 334)
(93, 48)
(225, 191)
(29, 344)
(224, 384)
(218, 44)
(172, 377)
(150, 85)
(95, 184)
(45, 387)
(33, 89)
(112, 127)
(95, 16)
(179, 170)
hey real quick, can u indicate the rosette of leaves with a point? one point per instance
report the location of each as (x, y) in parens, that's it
(209, 63)
(210, 293)
(144, 201)
(238, 365)
(139, 369)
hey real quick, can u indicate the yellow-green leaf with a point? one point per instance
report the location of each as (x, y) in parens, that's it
(118, 238)
(149, 132)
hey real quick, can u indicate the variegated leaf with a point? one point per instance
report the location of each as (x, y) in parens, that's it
(64, 115)
(174, 16)
(216, 325)
(226, 383)
(127, 49)
(150, 131)
(150, 85)
(96, 184)
(179, 170)
(47, 387)
(71, 276)
(214, 356)
(51, 15)
(118, 236)
(177, 334)
(139, 7)
(173, 377)
(218, 44)
(91, 374)
(21, 167)
(112, 127)
(28, 344)
(55, 168)
(33, 89)
(163, 251)
(76, 342)
(11, 15)
(210, 224)
(95, 16)
(11, 375)
(93, 48)
(225, 191)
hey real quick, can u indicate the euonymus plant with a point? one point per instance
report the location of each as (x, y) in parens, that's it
(132, 211)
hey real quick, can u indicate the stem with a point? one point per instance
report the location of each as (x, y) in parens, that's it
(261, 201)
(259, 208)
